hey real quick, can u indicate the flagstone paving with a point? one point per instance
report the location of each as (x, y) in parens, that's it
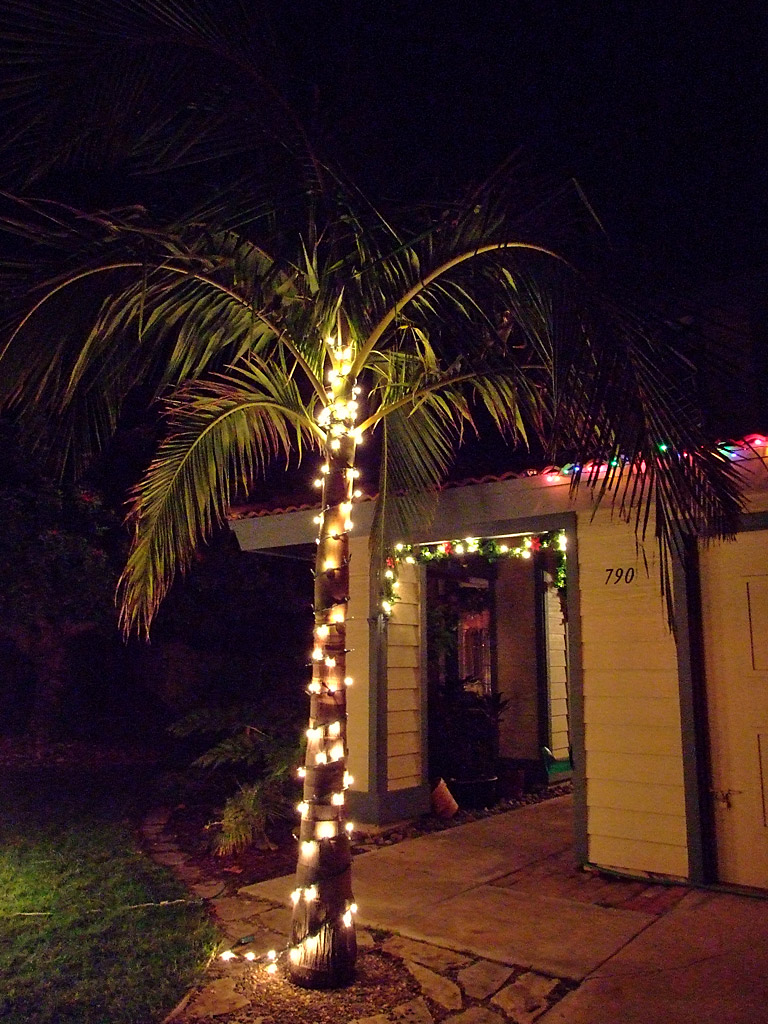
(456, 987)
(628, 952)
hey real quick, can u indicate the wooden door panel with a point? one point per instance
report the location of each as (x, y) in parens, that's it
(734, 581)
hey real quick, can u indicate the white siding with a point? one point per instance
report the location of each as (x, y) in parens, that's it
(634, 767)
(554, 627)
(358, 641)
(404, 756)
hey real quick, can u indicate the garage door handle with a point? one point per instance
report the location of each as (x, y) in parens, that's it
(723, 796)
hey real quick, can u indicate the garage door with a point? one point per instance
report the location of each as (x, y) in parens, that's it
(734, 582)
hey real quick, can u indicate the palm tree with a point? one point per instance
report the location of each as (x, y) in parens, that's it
(312, 321)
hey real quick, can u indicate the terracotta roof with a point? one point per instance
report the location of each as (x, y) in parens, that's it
(747, 446)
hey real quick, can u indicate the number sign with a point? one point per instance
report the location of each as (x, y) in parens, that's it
(616, 576)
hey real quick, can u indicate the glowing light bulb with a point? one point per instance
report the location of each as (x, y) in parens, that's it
(315, 734)
(325, 468)
(334, 729)
(310, 893)
(459, 549)
(322, 631)
(301, 772)
(337, 799)
(321, 758)
(348, 524)
(330, 662)
(337, 752)
(347, 919)
(295, 896)
(354, 473)
(399, 547)
(504, 548)
(329, 564)
(338, 616)
(357, 494)
(386, 606)
(317, 654)
(353, 907)
(562, 542)
(325, 830)
(389, 574)
(348, 780)
(348, 680)
(349, 827)
(272, 953)
(332, 686)
(335, 444)
(295, 955)
(525, 553)
(271, 968)
(228, 955)
(303, 808)
(250, 955)
(315, 687)
(308, 848)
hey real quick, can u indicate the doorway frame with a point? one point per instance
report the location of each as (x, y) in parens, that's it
(544, 523)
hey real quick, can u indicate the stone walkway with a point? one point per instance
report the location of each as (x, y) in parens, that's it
(491, 923)
(455, 988)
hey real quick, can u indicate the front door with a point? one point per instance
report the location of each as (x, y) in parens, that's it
(734, 585)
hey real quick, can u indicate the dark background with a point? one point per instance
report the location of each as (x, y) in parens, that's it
(657, 109)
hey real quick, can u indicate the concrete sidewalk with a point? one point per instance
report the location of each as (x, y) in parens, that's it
(699, 956)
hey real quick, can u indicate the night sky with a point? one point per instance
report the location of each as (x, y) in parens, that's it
(657, 109)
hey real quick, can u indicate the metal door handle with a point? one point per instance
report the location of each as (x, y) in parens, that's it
(723, 796)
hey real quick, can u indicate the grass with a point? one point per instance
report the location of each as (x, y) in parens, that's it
(74, 945)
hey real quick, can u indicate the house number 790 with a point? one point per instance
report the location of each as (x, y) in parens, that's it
(618, 575)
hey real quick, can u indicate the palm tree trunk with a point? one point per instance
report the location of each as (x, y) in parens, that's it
(323, 945)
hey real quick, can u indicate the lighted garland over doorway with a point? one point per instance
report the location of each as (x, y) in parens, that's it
(491, 549)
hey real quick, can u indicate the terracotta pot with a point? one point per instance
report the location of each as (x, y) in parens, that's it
(443, 804)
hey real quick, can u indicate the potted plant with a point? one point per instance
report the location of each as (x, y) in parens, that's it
(465, 740)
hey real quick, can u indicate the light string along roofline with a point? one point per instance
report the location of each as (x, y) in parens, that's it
(333, 418)
(493, 548)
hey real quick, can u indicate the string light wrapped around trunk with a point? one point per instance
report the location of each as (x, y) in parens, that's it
(322, 946)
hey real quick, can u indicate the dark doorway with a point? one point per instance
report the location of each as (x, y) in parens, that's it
(497, 653)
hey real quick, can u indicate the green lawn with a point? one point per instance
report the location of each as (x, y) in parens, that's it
(73, 944)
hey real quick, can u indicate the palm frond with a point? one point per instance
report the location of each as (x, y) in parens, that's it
(145, 86)
(135, 305)
(421, 429)
(221, 434)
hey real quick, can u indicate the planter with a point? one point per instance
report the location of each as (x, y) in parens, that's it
(474, 794)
